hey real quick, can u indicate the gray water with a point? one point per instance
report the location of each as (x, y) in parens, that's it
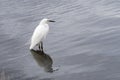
(83, 44)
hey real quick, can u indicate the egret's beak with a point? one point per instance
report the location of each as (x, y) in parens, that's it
(51, 21)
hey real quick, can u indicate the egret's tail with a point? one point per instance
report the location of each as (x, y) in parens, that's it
(31, 47)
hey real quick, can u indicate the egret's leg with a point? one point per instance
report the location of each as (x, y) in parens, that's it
(41, 45)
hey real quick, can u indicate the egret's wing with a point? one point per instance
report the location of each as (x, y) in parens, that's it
(37, 37)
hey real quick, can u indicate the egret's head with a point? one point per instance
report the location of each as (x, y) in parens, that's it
(45, 21)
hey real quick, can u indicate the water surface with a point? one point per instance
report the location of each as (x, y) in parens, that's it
(83, 43)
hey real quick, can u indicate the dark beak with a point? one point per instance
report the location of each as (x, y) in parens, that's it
(51, 21)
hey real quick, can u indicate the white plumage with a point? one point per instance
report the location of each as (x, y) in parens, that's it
(40, 33)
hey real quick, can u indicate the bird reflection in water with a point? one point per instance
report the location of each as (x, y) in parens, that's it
(43, 60)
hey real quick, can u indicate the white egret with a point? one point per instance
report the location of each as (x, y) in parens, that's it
(40, 33)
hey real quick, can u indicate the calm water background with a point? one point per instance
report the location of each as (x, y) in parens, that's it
(84, 41)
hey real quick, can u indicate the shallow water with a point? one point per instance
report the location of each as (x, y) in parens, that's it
(83, 43)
